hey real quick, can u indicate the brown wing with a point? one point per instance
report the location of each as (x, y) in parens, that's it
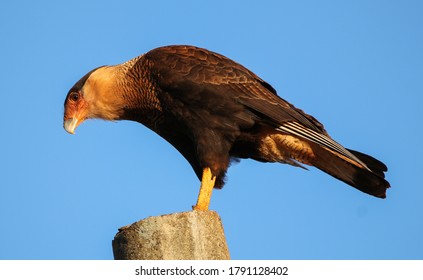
(187, 71)
(210, 82)
(202, 78)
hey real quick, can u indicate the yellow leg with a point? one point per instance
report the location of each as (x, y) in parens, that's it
(207, 184)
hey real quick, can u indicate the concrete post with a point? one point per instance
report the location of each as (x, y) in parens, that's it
(193, 235)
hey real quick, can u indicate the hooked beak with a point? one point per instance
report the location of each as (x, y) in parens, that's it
(71, 124)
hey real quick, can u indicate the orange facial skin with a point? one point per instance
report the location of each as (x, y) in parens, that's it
(76, 111)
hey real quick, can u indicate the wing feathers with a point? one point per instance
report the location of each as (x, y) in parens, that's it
(321, 139)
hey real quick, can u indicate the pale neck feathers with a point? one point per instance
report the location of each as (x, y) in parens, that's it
(107, 90)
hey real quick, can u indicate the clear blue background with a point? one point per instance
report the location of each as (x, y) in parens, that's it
(357, 66)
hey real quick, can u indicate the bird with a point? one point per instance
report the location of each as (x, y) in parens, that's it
(215, 111)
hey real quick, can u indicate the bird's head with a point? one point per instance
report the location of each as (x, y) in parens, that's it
(93, 96)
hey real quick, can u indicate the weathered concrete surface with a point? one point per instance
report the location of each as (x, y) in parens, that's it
(194, 235)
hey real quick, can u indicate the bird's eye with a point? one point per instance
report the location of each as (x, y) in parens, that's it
(74, 96)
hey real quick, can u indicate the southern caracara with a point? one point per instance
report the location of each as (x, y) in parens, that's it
(212, 110)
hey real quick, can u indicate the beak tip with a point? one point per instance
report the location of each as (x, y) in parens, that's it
(70, 125)
(69, 131)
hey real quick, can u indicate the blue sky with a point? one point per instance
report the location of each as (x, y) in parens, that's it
(357, 66)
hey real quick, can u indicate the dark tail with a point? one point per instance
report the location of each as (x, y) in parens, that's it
(369, 178)
(359, 170)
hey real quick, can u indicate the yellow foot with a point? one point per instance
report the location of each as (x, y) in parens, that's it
(206, 188)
